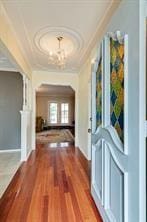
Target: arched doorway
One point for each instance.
(55, 114)
(54, 80)
(12, 105)
(11, 102)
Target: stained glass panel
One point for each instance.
(117, 86)
(99, 93)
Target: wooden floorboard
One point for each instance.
(52, 186)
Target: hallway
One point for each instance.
(51, 186)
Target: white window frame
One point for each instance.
(48, 110)
(64, 110)
(59, 103)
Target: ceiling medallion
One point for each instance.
(59, 44)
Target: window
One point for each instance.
(53, 111)
(58, 113)
(64, 112)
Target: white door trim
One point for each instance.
(142, 110)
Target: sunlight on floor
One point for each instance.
(9, 163)
(55, 145)
(64, 144)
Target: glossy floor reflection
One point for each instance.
(52, 186)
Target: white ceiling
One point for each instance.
(76, 19)
(51, 90)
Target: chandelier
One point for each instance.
(58, 57)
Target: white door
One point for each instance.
(109, 185)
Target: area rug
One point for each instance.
(54, 136)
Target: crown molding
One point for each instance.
(100, 31)
(84, 53)
(5, 69)
(3, 12)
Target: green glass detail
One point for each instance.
(117, 86)
(99, 93)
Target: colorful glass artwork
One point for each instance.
(117, 86)
(99, 93)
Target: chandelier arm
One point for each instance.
(60, 59)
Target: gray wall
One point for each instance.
(11, 94)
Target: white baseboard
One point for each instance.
(10, 151)
(26, 157)
(29, 154)
(83, 152)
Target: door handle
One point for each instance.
(89, 130)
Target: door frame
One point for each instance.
(25, 78)
(89, 118)
(34, 110)
(142, 109)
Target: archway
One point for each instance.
(55, 115)
(11, 102)
(53, 83)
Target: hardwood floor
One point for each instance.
(52, 186)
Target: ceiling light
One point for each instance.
(58, 56)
